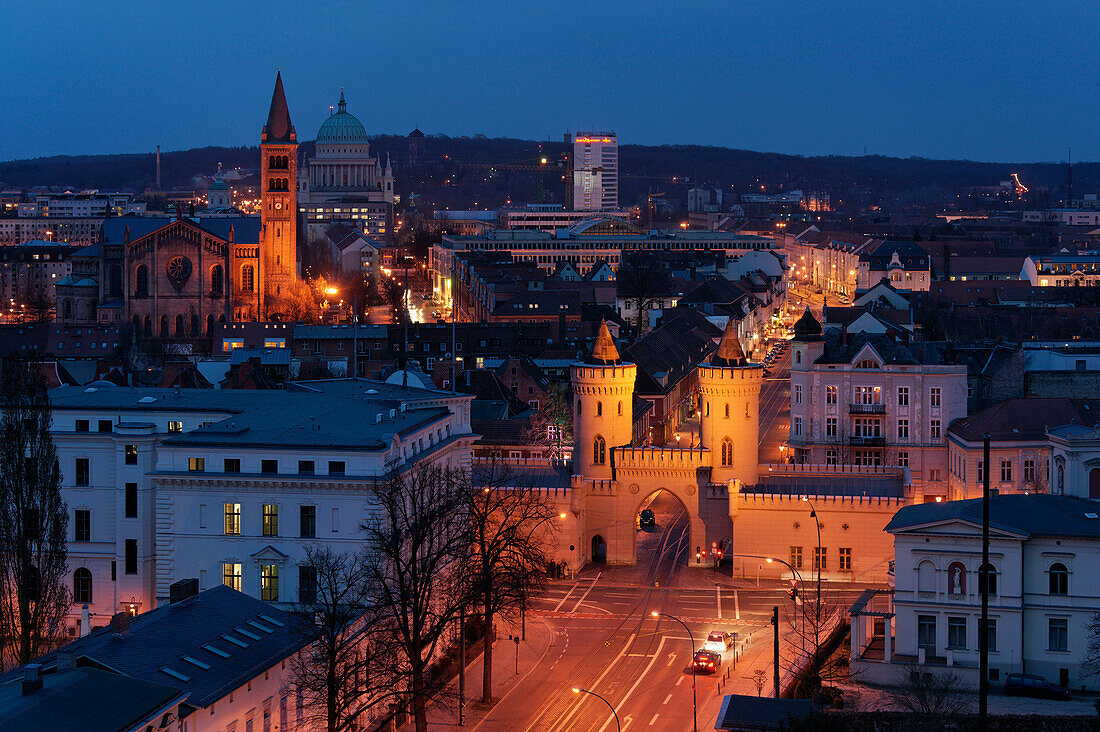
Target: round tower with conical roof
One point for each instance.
(807, 345)
(729, 389)
(603, 392)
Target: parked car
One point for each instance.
(1029, 685)
(707, 661)
(646, 518)
(719, 641)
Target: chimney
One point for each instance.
(844, 335)
(66, 661)
(32, 678)
(120, 623)
(185, 588)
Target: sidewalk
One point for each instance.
(758, 656)
(444, 715)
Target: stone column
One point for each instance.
(888, 633)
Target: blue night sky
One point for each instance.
(981, 80)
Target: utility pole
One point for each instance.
(983, 580)
(775, 649)
(461, 662)
(405, 320)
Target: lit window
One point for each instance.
(231, 576)
(233, 518)
(269, 582)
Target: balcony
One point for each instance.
(866, 441)
(867, 409)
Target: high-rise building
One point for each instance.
(595, 171)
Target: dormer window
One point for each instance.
(868, 363)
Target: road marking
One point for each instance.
(567, 594)
(718, 594)
(642, 655)
(671, 658)
(630, 691)
(666, 699)
(594, 607)
(654, 719)
(585, 595)
(679, 680)
(562, 722)
(736, 607)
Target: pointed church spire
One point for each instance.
(342, 105)
(278, 127)
(729, 351)
(603, 350)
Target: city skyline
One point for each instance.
(985, 84)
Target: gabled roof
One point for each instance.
(666, 354)
(1038, 514)
(278, 127)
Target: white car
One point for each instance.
(718, 641)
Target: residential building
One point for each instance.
(873, 399)
(1019, 454)
(548, 217)
(223, 485)
(29, 271)
(1062, 270)
(82, 205)
(74, 231)
(1042, 591)
(595, 171)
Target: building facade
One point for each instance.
(229, 486)
(869, 399)
(595, 171)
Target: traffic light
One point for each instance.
(698, 555)
(793, 594)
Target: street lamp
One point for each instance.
(579, 690)
(694, 703)
(817, 565)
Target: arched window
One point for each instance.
(67, 310)
(147, 327)
(194, 326)
(141, 281)
(798, 356)
(164, 326)
(217, 279)
(599, 451)
(82, 586)
(727, 452)
(248, 278)
(1061, 478)
(209, 324)
(926, 577)
(180, 327)
(1059, 579)
(137, 325)
(271, 162)
(727, 410)
(992, 579)
(620, 409)
(270, 184)
(579, 402)
(599, 409)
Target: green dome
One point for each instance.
(219, 185)
(342, 127)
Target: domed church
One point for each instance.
(343, 182)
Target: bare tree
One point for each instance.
(513, 530)
(34, 599)
(818, 619)
(932, 695)
(643, 281)
(343, 672)
(1091, 663)
(416, 542)
(552, 426)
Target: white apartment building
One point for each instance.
(85, 204)
(229, 486)
(595, 171)
(1062, 270)
(60, 230)
(873, 399)
(1044, 590)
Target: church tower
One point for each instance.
(279, 212)
(729, 388)
(603, 394)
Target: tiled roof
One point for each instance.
(1038, 514)
(667, 353)
(1025, 418)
